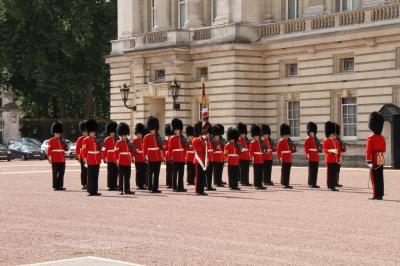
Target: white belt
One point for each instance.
(259, 153)
(93, 152)
(139, 152)
(178, 149)
(218, 152)
(233, 155)
(312, 149)
(58, 150)
(153, 149)
(286, 152)
(125, 153)
(190, 152)
(244, 149)
(111, 151)
(210, 150)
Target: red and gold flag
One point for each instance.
(204, 103)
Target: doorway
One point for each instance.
(157, 109)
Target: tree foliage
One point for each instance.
(52, 55)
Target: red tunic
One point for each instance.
(375, 150)
(139, 157)
(152, 149)
(189, 153)
(268, 156)
(210, 150)
(91, 151)
(56, 150)
(218, 155)
(284, 151)
(108, 150)
(311, 150)
(167, 155)
(231, 154)
(123, 153)
(200, 149)
(78, 149)
(176, 149)
(245, 153)
(332, 150)
(256, 152)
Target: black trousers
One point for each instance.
(209, 174)
(244, 171)
(153, 176)
(177, 175)
(112, 175)
(285, 174)
(218, 170)
(337, 175)
(267, 171)
(169, 173)
(93, 179)
(258, 174)
(83, 173)
(332, 171)
(377, 181)
(312, 173)
(233, 176)
(124, 173)
(141, 174)
(58, 170)
(200, 179)
(191, 173)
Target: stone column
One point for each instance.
(162, 15)
(137, 17)
(268, 11)
(125, 10)
(223, 16)
(194, 11)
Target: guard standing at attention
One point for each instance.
(140, 164)
(244, 156)
(177, 152)
(124, 151)
(190, 167)
(168, 161)
(332, 155)
(218, 156)
(256, 154)
(56, 155)
(210, 153)
(342, 148)
(285, 150)
(201, 156)
(312, 148)
(78, 154)
(268, 148)
(231, 153)
(109, 156)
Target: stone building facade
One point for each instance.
(263, 61)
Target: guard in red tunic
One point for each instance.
(375, 154)
(82, 128)
(56, 155)
(92, 157)
(168, 161)
(342, 149)
(201, 156)
(231, 153)
(332, 155)
(268, 147)
(140, 164)
(177, 152)
(190, 167)
(312, 148)
(218, 155)
(244, 156)
(285, 150)
(210, 153)
(109, 158)
(256, 154)
(152, 151)
(124, 151)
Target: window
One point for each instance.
(203, 72)
(291, 70)
(213, 10)
(182, 13)
(293, 115)
(159, 75)
(349, 117)
(292, 9)
(153, 9)
(344, 5)
(347, 64)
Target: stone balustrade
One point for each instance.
(202, 34)
(385, 12)
(323, 22)
(351, 17)
(293, 26)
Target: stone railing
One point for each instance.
(323, 22)
(155, 37)
(351, 17)
(202, 34)
(385, 12)
(293, 26)
(270, 30)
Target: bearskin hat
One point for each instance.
(330, 128)
(265, 129)
(123, 129)
(232, 134)
(312, 127)
(242, 128)
(57, 127)
(140, 129)
(189, 131)
(221, 129)
(153, 123)
(176, 124)
(168, 130)
(255, 130)
(284, 130)
(198, 127)
(375, 123)
(92, 125)
(111, 127)
(216, 131)
(82, 125)
(337, 129)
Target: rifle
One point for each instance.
(292, 145)
(160, 140)
(132, 146)
(239, 146)
(318, 144)
(343, 144)
(66, 143)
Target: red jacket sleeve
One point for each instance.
(279, 150)
(369, 149)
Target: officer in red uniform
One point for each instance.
(190, 167)
(201, 156)
(285, 150)
(210, 153)
(256, 154)
(332, 155)
(140, 164)
(268, 148)
(56, 155)
(124, 151)
(92, 157)
(244, 156)
(218, 155)
(168, 161)
(231, 153)
(375, 154)
(152, 151)
(312, 148)
(79, 157)
(342, 148)
(177, 152)
(109, 158)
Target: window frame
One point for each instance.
(296, 9)
(290, 119)
(287, 72)
(199, 74)
(213, 10)
(180, 4)
(343, 65)
(348, 115)
(350, 3)
(156, 78)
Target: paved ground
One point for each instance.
(273, 227)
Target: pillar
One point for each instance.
(223, 16)
(194, 11)
(137, 17)
(162, 15)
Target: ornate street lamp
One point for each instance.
(124, 89)
(173, 91)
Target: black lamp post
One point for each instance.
(124, 95)
(173, 89)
